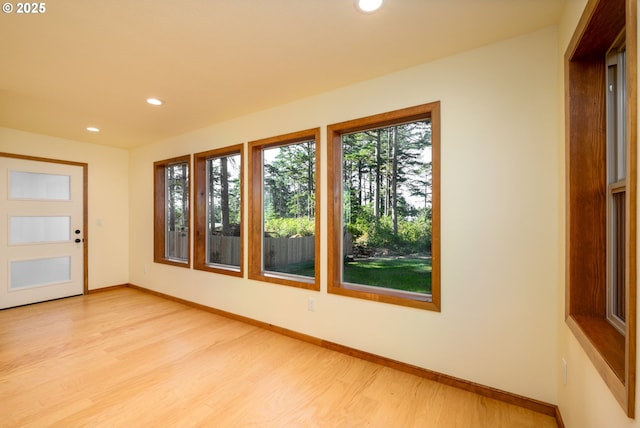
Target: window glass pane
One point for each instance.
(387, 207)
(616, 115)
(223, 210)
(30, 185)
(25, 230)
(30, 273)
(622, 115)
(288, 239)
(177, 214)
(612, 118)
(616, 165)
(617, 288)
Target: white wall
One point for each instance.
(108, 200)
(500, 222)
(585, 401)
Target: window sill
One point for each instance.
(173, 262)
(419, 301)
(420, 297)
(219, 268)
(307, 283)
(605, 347)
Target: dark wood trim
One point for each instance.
(485, 391)
(109, 288)
(254, 204)
(586, 192)
(381, 120)
(607, 341)
(436, 131)
(334, 207)
(85, 225)
(597, 29)
(41, 159)
(255, 209)
(159, 215)
(592, 344)
(85, 205)
(558, 416)
(613, 354)
(631, 34)
(200, 209)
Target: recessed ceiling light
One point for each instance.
(93, 129)
(155, 101)
(368, 6)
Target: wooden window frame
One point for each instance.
(200, 211)
(612, 353)
(334, 180)
(159, 215)
(256, 208)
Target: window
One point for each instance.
(615, 89)
(218, 211)
(601, 168)
(384, 207)
(171, 213)
(283, 210)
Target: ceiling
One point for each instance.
(93, 63)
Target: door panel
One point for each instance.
(39, 272)
(41, 231)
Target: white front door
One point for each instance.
(41, 231)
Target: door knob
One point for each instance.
(78, 240)
(77, 231)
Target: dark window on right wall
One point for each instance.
(601, 179)
(615, 88)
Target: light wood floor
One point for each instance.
(125, 358)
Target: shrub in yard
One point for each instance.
(288, 227)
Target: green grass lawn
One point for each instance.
(408, 274)
(303, 269)
(398, 273)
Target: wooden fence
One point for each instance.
(226, 249)
(347, 244)
(285, 251)
(177, 245)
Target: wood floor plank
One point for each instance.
(124, 358)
